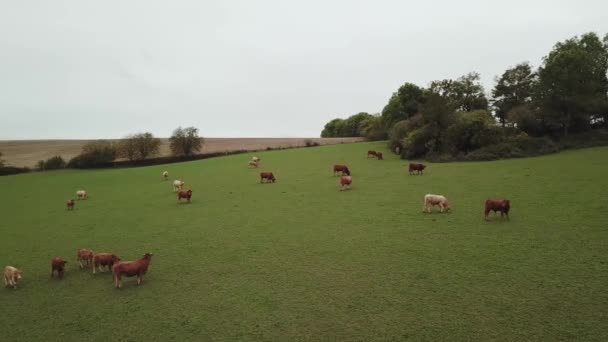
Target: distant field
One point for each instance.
(299, 260)
(28, 152)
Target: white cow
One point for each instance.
(255, 159)
(431, 200)
(178, 185)
(166, 175)
(81, 194)
(11, 276)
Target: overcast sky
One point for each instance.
(104, 69)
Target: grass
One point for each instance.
(300, 260)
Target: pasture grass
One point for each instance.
(300, 260)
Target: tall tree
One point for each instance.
(407, 101)
(513, 89)
(332, 128)
(185, 141)
(146, 145)
(465, 94)
(573, 83)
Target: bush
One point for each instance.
(185, 141)
(94, 154)
(310, 143)
(588, 139)
(493, 152)
(12, 170)
(53, 163)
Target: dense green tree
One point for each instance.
(464, 94)
(513, 88)
(373, 128)
(573, 83)
(332, 128)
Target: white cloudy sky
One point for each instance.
(267, 68)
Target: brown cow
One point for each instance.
(495, 205)
(104, 259)
(11, 276)
(345, 181)
(58, 264)
(137, 268)
(268, 176)
(70, 204)
(372, 153)
(341, 168)
(184, 194)
(85, 255)
(379, 155)
(417, 167)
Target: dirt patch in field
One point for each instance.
(28, 152)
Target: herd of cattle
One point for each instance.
(139, 267)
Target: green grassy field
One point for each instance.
(300, 260)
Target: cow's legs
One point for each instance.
(139, 279)
(5, 281)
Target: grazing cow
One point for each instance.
(253, 163)
(184, 194)
(416, 168)
(341, 168)
(58, 264)
(379, 155)
(81, 194)
(104, 259)
(70, 204)
(431, 200)
(255, 159)
(178, 185)
(11, 276)
(137, 268)
(371, 153)
(268, 176)
(85, 255)
(495, 205)
(165, 175)
(345, 181)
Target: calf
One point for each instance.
(184, 194)
(137, 268)
(11, 276)
(371, 153)
(341, 168)
(268, 176)
(431, 200)
(495, 205)
(178, 185)
(85, 255)
(58, 265)
(70, 204)
(165, 175)
(81, 194)
(104, 259)
(345, 181)
(253, 163)
(379, 155)
(416, 168)
(255, 159)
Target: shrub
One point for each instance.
(94, 154)
(12, 170)
(185, 141)
(52, 163)
(310, 143)
(139, 146)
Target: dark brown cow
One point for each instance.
(268, 176)
(137, 268)
(184, 194)
(70, 204)
(418, 168)
(58, 265)
(341, 168)
(85, 255)
(104, 259)
(495, 205)
(345, 181)
(371, 153)
(379, 155)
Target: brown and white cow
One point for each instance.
(379, 155)
(85, 255)
(371, 153)
(104, 260)
(268, 176)
(178, 185)
(431, 200)
(186, 194)
(137, 268)
(70, 204)
(253, 163)
(11, 276)
(81, 195)
(345, 182)
(418, 168)
(502, 205)
(58, 265)
(341, 168)
(165, 175)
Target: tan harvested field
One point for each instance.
(28, 152)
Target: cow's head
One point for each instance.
(18, 274)
(507, 204)
(347, 171)
(115, 258)
(148, 255)
(272, 178)
(189, 192)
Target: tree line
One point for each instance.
(528, 112)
